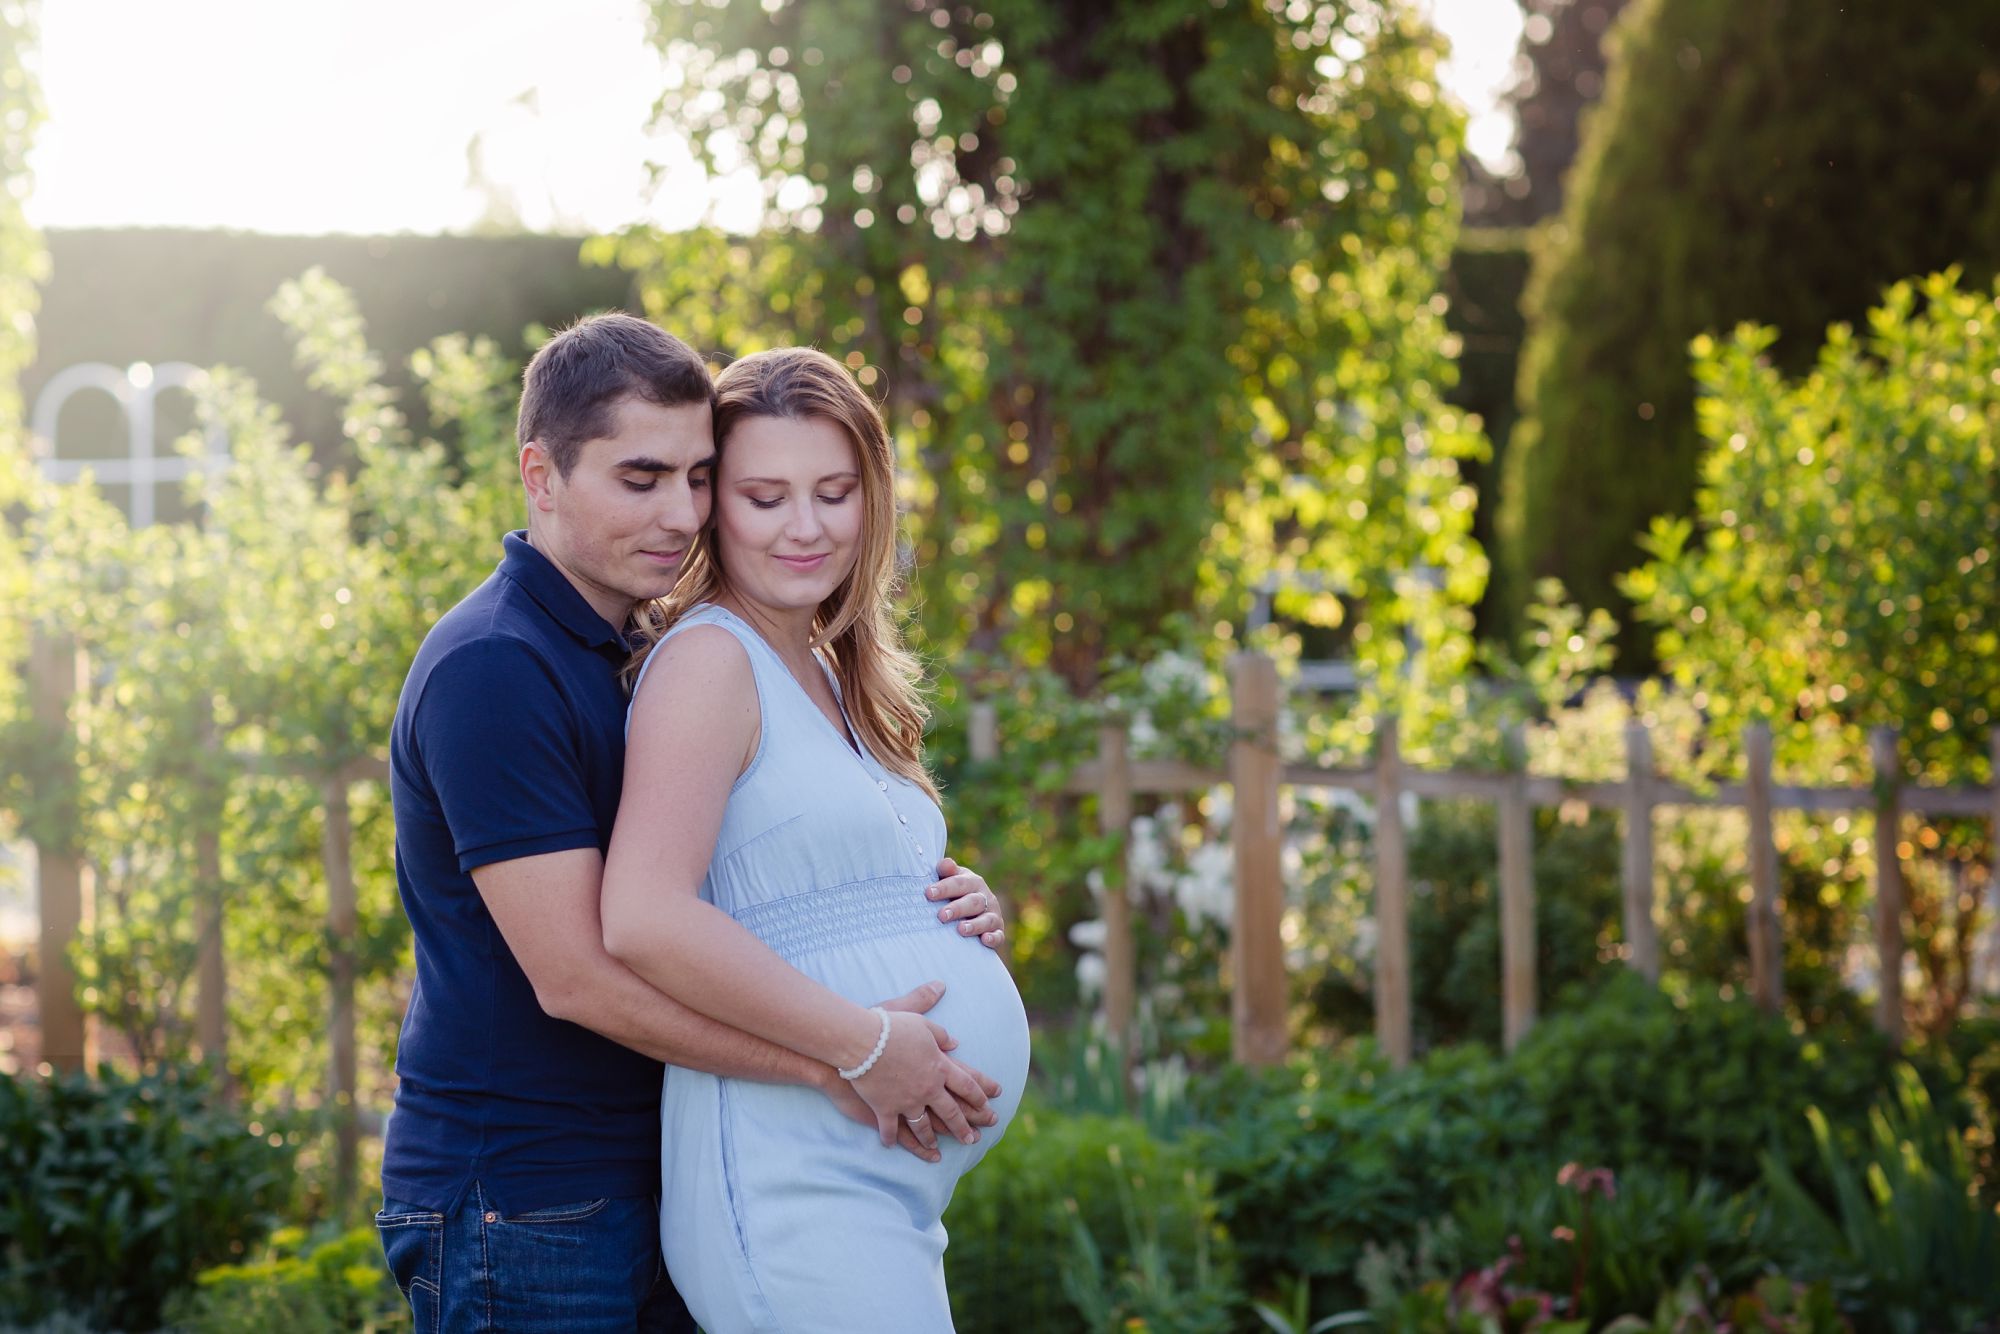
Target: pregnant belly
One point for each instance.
(875, 940)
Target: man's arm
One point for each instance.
(547, 910)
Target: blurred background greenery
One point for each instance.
(1198, 328)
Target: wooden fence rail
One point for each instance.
(1256, 773)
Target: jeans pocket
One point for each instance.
(559, 1213)
(413, 1244)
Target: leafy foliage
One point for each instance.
(1070, 1216)
(338, 1286)
(1909, 1241)
(23, 263)
(1724, 179)
(1837, 572)
(240, 668)
(1151, 280)
(114, 1190)
(1316, 1164)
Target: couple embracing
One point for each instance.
(662, 811)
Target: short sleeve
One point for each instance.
(499, 744)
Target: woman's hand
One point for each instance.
(914, 1079)
(917, 1000)
(969, 901)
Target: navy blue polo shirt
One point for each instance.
(509, 742)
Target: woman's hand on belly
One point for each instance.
(970, 902)
(914, 1078)
(854, 1107)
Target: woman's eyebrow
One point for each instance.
(781, 481)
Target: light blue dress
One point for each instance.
(777, 1212)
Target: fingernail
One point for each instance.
(944, 914)
(965, 928)
(933, 892)
(972, 1137)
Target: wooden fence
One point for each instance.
(63, 886)
(1256, 773)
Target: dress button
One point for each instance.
(904, 818)
(884, 786)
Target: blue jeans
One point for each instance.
(585, 1267)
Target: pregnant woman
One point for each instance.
(776, 831)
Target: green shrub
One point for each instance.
(340, 1286)
(1455, 937)
(1616, 1251)
(1315, 1164)
(115, 1189)
(1725, 178)
(1700, 1086)
(1906, 1240)
(1149, 1237)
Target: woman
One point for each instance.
(776, 831)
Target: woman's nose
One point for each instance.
(802, 520)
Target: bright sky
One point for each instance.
(357, 116)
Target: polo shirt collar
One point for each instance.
(550, 587)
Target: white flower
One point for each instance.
(1090, 974)
(1088, 935)
(1142, 733)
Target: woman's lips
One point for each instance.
(803, 563)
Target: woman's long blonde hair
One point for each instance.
(855, 627)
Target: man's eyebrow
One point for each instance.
(646, 463)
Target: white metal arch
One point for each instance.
(135, 389)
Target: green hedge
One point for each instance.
(115, 1190)
(1317, 1163)
(1778, 162)
(121, 295)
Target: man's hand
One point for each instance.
(970, 903)
(854, 1108)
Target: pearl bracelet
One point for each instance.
(880, 1042)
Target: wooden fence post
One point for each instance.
(1114, 819)
(211, 1023)
(1767, 968)
(1517, 896)
(1888, 880)
(62, 881)
(983, 732)
(1258, 1009)
(1392, 897)
(337, 856)
(1642, 936)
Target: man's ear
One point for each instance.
(538, 476)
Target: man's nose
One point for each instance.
(680, 511)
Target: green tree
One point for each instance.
(1775, 162)
(241, 665)
(1837, 573)
(1150, 289)
(22, 265)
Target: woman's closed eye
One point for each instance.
(775, 501)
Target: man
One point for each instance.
(522, 1162)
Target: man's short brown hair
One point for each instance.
(577, 380)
